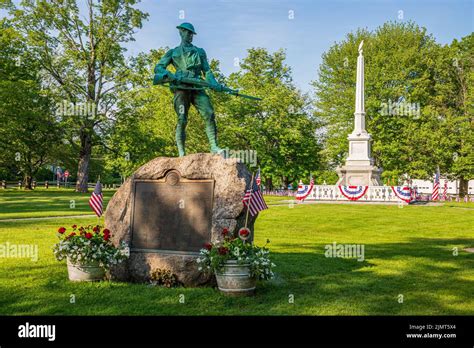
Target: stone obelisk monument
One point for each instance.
(359, 168)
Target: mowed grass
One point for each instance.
(15, 203)
(410, 254)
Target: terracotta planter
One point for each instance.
(85, 272)
(235, 279)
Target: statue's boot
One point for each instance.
(211, 132)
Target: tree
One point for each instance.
(280, 128)
(84, 60)
(29, 132)
(404, 88)
(460, 100)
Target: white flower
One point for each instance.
(125, 251)
(236, 251)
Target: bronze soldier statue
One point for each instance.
(188, 86)
(190, 62)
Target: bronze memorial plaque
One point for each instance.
(172, 214)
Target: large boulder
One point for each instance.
(230, 178)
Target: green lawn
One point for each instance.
(270, 200)
(15, 203)
(408, 252)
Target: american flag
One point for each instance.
(435, 194)
(258, 180)
(254, 201)
(445, 190)
(96, 200)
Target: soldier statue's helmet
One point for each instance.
(187, 26)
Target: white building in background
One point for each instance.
(426, 186)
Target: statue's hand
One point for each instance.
(174, 78)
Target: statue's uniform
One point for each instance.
(189, 61)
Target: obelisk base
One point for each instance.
(359, 175)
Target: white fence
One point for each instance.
(373, 194)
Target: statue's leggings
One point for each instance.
(182, 101)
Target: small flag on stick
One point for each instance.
(445, 190)
(435, 194)
(96, 200)
(254, 201)
(258, 180)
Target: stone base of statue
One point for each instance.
(361, 175)
(170, 208)
(359, 169)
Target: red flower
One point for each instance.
(208, 246)
(222, 250)
(244, 233)
(74, 226)
(72, 234)
(88, 235)
(61, 230)
(106, 237)
(225, 231)
(106, 231)
(96, 229)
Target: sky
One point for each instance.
(226, 29)
(304, 28)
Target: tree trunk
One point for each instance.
(463, 187)
(83, 166)
(285, 182)
(27, 180)
(269, 184)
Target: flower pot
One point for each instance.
(235, 280)
(85, 271)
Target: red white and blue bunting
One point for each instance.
(304, 190)
(403, 193)
(353, 193)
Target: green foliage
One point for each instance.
(460, 99)
(214, 256)
(88, 244)
(29, 134)
(82, 58)
(403, 65)
(143, 128)
(280, 128)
